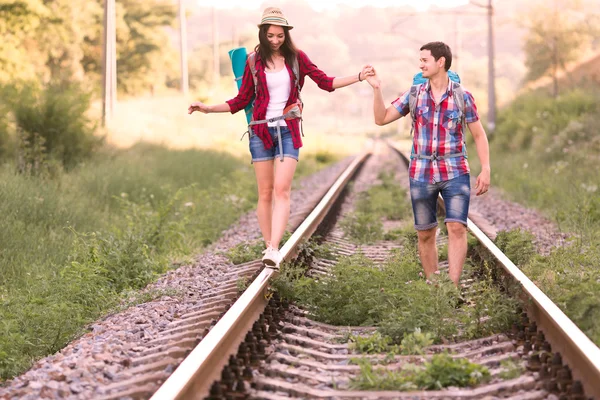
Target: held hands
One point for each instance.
(366, 72)
(373, 78)
(483, 182)
(198, 106)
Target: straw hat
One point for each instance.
(274, 16)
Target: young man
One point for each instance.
(438, 162)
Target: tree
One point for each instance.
(62, 35)
(143, 48)
(18, 23)
(557, 36)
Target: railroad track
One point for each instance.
(264, 347)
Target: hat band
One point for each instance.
(274, 21)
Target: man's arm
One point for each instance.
(383, 116)
(483, 151)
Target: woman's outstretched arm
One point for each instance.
(234, 105)
(349, 80)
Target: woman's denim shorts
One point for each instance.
(456, 194)
(259, 153)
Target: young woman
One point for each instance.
(275, 64)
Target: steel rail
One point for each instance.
(576, 349)
(202, 367)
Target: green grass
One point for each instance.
(545, 154)
(74, 246)
(386, 200)
(399, 301)
(442, 371)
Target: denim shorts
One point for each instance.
(455, 192)
(259, 153)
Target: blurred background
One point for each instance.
(61, 42)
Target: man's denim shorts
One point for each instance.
(456, 194)
(259, 153)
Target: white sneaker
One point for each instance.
(272, 258)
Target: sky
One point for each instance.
(322, 5)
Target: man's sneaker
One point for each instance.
(272, 258)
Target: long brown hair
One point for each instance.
(287, 49)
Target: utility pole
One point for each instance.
(109, 62)
(215, 35)
(491, 70)
(183, 49)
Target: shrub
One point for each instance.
(58, 113)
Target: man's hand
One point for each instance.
(366, 72)
(483, 181)
(373, 79)
(198, 106)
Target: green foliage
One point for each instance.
(142, 42)
(556, 38)
(517, 245)
(291, 283)
(58, 114)
(532, 121)
(442, 371)
(492, 310)
(133, 256)
(392, 296)
(31, 155)
(136, 211)
(313, 162)
(362, 227)
(416, 342)
(376, 343)
(421, 305)
(61, 40)
(245, 252)
(381, 379)
(443, 253)
(510, 369)
(570, 277)
(5, 124)
(18, 22)
(556, 172)
(242, 283)
(396, 298)
(387, 200)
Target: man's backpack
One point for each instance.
(458, 95)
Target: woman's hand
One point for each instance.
(366, 72)
(198, 106)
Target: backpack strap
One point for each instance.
(252, 64)
(412, 104)
(459, 98)
(296, 71)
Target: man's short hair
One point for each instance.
(439, 49)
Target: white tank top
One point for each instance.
(279, 86)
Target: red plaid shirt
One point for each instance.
(246, 92)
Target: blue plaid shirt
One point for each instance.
(438, 130)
